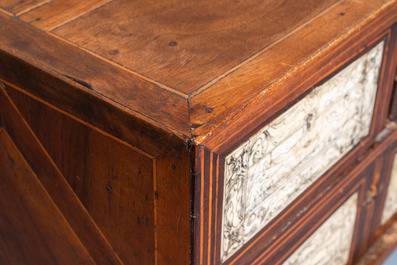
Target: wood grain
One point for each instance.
(393, 105)
(173, 193)
(384, 174)
(289, 154)
(272, 244)
(18, 7)
(82, 154)
(47, 61)
(55, 184)
(356, 166)
(127, 112)
(251, 83)
(229, 115)
(187, 43)
(58, 12)
(382, 248)
(263, 75)
(367, 210)
(113, 181)
(32, 229)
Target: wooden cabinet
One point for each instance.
(393, 107)
(185, 132)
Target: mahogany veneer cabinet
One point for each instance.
(198, 132)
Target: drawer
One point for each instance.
(276, 165)
(257, 186)
(304, 236)
(389, 208)
(329, 240)
(340, 227)
(386, 206)
(382, 213)
(349, 206)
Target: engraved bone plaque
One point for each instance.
(390, 207)
(272, 168)
(330, 243)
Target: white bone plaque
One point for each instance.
(272, 168)
(390, 207)
(330, 243)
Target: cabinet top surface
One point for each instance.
(186, 65)
(184, 45)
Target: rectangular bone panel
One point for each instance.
(390, 207)
(330, 243)
(271, 169)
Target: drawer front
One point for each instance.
(272, 168)
(390, 206)
(331, 242)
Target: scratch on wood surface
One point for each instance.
(179, 221)
(81, 82)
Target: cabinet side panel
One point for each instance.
(173, 206)
(113, 180)
(28, 236)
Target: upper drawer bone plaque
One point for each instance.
(273, 167)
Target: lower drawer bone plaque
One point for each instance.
(390, 207)
(272, 168)
(330, 243)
